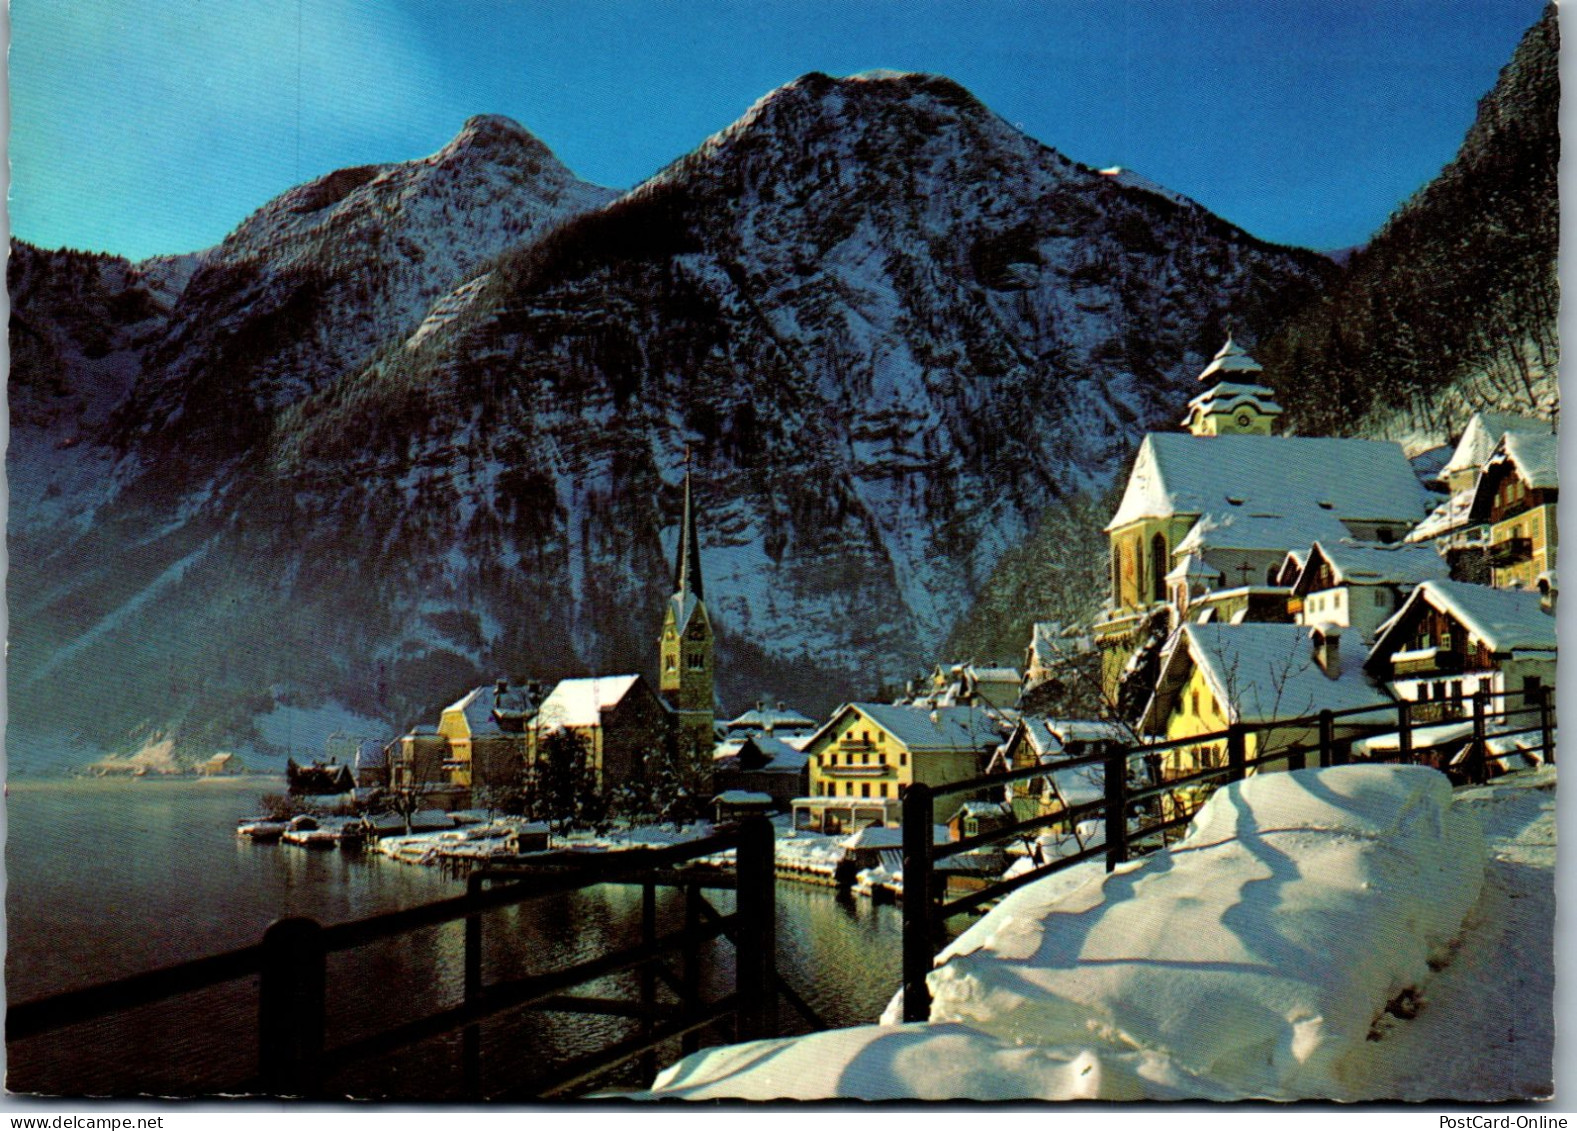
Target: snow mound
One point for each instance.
(1252, 959)
(1259, 952)
(921, 1062)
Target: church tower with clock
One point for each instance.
(1236, 405)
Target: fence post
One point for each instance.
(1329, 755)
(692, 966)
(471, 1039)
(755, 956)
(1478, 765)
(648, 979)
(1404, 730)
(290, 1007)
(918, 945)
(1546, 726)
(1237, 752)
(1116, 786)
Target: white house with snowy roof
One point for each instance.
(1360, 585)
(1451, 638)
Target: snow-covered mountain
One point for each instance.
(893, 327)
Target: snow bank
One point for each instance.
(1252, 959)
(921, 1062)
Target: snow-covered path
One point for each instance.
(1487, 1027)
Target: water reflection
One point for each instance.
(109, 878)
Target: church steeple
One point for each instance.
(687, 561)
(1236, 404)
(685, 650)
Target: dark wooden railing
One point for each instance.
(1159, 803)
(292, 969)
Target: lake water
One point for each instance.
(112, 877)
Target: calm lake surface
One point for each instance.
(113, 877)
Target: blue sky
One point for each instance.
(141, 128)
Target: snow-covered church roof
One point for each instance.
(580, 702)
(1231, 358)
(1228, 396)
(1273, 476)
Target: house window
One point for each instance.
(1379, 599)
(1158, 567)
(697, 661)
(883, 788)
(865, 759)
(668, 663)
(865, 789)
(903, 757)
(1196, 703)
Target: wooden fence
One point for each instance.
(1156, 801)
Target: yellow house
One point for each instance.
(1517, 496)
(485, 735)
(863, 761)
(1260, 675)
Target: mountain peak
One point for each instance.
(491, 135)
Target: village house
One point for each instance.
(965, 685)
(864, 759)
(1451, 638)
(764, 718)
(1360, 585)
(1209, 517)
(1040, 741)
(1260, 675)
(1450, 527)
(486, 734)
(1516, 498)
(766, 764)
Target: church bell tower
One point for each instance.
(685, 650)
(1236, 405)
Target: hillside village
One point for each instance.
(1256, 579)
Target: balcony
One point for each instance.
(1510, 552)
(1436, 711)
(879, 770)
(1425, 661)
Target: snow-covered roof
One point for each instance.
(979, 809)
(1231, 358)
(1051, 642)
(742, 797)
(783, 758)
(1429, 463)
(1048, 737)
(1259, 673)
(1285, 476)
(1535, 459)
(1370, 563)
(1243, 531)
(874, 836)
(923, 729)
(580, 702)
(763, 716)
(1453, 514)
(1192, 567)
(1504, 620)
(1483, 432)
(478, 704)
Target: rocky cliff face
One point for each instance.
(892, 327)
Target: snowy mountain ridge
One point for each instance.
(863, 305)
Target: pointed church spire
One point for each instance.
(687, 560)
